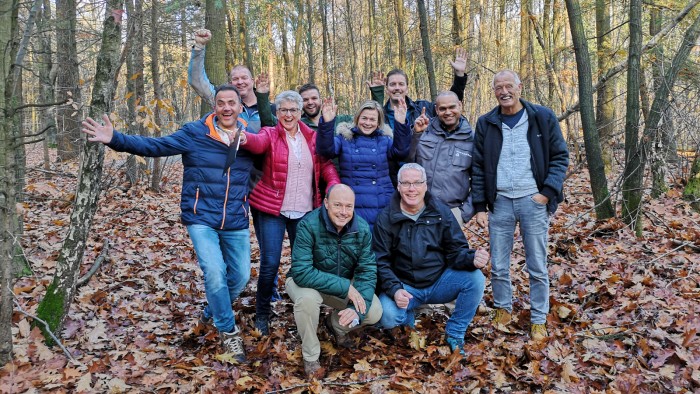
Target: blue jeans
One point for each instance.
(224, 257)
(534, 224)
(466, 287)
(270, 237)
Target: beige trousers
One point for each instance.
(307, 309)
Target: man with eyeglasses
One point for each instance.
(423, 258)
(520, 162)
(332, 264)
(443, 145)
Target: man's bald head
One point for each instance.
(340, 205)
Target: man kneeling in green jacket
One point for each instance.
(332, 264)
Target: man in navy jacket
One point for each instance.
(214, 201)
(520, 161)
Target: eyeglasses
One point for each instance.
(288, 111)
(407, 185)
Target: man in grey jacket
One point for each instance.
(443, 146)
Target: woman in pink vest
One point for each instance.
(287, 191)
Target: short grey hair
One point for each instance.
(412, 166)
(290, 96)
(447, 93)
(515, 76)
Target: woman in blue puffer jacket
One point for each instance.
(364, 150)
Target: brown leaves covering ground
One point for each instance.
(624, 311)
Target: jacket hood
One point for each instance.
(348, 131)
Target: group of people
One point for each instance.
(371, 242)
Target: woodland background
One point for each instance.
(91, 240)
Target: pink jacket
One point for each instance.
(268, 194)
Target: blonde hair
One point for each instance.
(370, 104)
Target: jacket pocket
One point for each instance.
(461, 158)
(426, 149)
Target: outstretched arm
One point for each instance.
(459, 66)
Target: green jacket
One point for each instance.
(329, 262)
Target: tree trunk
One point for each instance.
(633, 174)
(134, 84)
(8, 182)
(605, 107)
(309, 42)
(215, 56)
(271, 55)
(596, 169)
(59, 294)
(243, 34)
(456, 25)
(68, 116)
(427, 53)
(324, 21)
(157, 91)
(525, 53)
(399, 10)
(353, 59)
(47, 76)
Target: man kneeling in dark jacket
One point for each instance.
(332, 264)
(424, 258)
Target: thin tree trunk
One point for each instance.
(69, 115)
(596, 169)
(525, 54)
(55, 305)
(605, 108)
(135, 84)
(243, 35)
(8, 181)
(427, 53)
(215, 56)
(399, 9)
(326, 68)
(353, 59)
(157, 90)
(633, 174)
(309, 42)
(271, 56)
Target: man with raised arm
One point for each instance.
(214, 200)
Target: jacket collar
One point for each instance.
(351, 227)
(305, 130)
(494, 116)
(462, 128)
(210, 121)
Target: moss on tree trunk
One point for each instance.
(692, 189)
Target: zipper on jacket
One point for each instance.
(337, 262)
(228, 182)
(196, 200)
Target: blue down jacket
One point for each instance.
(364, 161)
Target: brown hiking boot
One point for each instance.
(340, 338)
(500, 320)
(538, 332)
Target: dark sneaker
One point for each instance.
(233, 344)
(455, 344)
(314, 370)
(263, 325)
(340, 338)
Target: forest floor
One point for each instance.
(625, 311)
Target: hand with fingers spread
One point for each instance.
(421, 122)
(459, 66)
(97, 132)
(356, 298)
(262, 83)
(328, 110)
(377, 79)
(481, 258)
(201, 38)
(401, 110)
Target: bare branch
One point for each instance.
(95, 266)
(41, 105)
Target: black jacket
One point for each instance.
(549, 156)
(417, 253)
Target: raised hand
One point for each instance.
(376, 79)
(97, 132)
(201, 37)
(262, 83)
(400, 111)
(460, 63)
(421, 122)
(328, 110)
